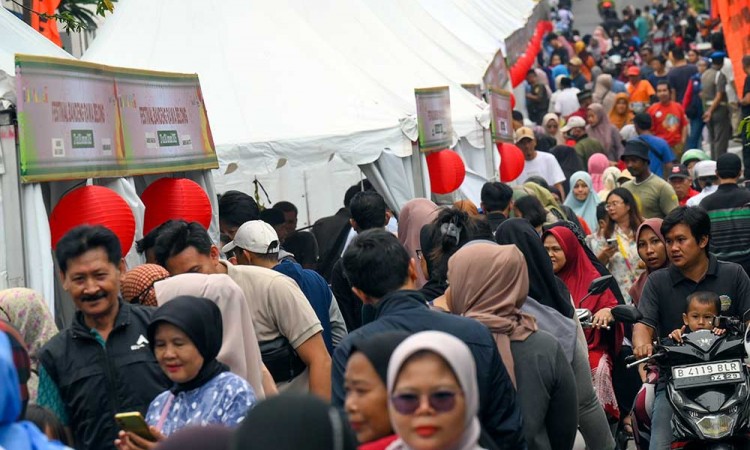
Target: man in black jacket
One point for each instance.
(382, 274)
(101, 365)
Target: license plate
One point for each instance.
(719, 372)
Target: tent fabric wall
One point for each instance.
(40, 273)
(17, 37)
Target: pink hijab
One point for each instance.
(414, 215)
(598, 163)
(494, 300)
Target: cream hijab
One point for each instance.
(458, 356)
(414, 215)
(494, 300)
(239, 349)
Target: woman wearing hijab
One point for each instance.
(239, 349)
(621, 114)
(546, 198)
(365, 379)
(414, 215)
(543, 376)
(294, 422)
(27, 311)
(137, 285)
(583, 199)
(572, 265)
(603, 92)
(610, 178)
(652, 249)
(439, 367)
(597, 164)
(185, 336)
(600, 128)
(569, 162)
(551, 126)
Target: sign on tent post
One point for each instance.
(434, 118)
(502, 115)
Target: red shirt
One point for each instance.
(691, 193)
(668, 122)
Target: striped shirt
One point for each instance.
(729, 210)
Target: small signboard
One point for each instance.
(434, 118)
(502, 115)
(81, 120)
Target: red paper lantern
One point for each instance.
(447, 171)
(93, 205)
(175, 198)
(511, 162)
(512, 101)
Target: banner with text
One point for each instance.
(496, 75)
(80, 120)
(434, 118)
(502, 115)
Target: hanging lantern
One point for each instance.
(447, 171)
(93, 205)
(512, 162)
(512, 101)
(175, 198)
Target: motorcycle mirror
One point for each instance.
(626, 314)
(599, 285)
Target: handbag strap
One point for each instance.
(165, 411)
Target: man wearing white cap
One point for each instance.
(705, 173)
(575, 128)
(538, 164)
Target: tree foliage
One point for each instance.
(76, 15)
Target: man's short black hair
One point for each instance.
(532, 210)
(178, 236)
(355, 189)
(376, 263)
(368, 210)
(81, 239)
(517, 115)
(704, 298)
(272, 216)
(236, 208)
(678, 53)
(496, 196)
(695, 217)
(149, 240)
(662, 83)
(601, 211)
(304, 247)
(285, 207)
(565, 82)
(643, 121)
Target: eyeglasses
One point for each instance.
(419, 254)
(138, 299)
(440, 401)
(614, 204)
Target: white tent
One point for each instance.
(326, 85)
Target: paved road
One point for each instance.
(587, 16)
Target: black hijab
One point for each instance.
(293, 422)
(569, 162)
(543, 284)
(200, 319)
(601, 268)
(378, 349)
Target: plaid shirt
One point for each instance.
(20, 358)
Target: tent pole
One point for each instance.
(416, 170)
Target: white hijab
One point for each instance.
(239, 350)
(459, 358)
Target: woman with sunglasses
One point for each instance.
(365, 379)
(433, 394)
(535, 360)
(185, 337)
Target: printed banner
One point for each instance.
(475, 89)
(80, 120)
(434, 118)
(502, 115)
(496, 75)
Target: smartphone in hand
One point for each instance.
(135, 423)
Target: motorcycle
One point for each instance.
(707, 384)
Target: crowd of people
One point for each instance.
(429, 326)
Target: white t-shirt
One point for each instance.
(545, 165)
(696, 200)
(566, 101)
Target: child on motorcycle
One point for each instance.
(702, 307)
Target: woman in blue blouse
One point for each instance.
(185, 336)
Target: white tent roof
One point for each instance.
(17, 37)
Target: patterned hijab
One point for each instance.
(137, 285)
(27, 311)
(495, 301)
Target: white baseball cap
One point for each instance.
(705, 169)
(254, 236)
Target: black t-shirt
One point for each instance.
(745, 91)
(679, 78)
(664, 297)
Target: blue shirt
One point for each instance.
(222, 401)
(659, 154)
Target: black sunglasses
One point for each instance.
(440, 401)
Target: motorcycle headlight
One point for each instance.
(715, 426)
